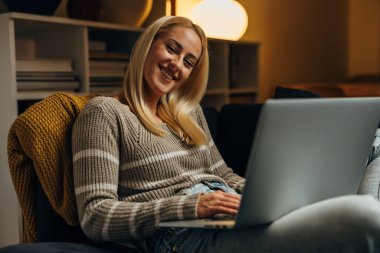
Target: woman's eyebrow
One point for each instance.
(181, 47)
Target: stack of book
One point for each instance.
(46, 74)
(106, 76)
(106, 69)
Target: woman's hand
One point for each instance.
(217, 202)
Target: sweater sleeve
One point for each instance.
(221, 169)
(103, 215)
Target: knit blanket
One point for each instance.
(39, 148)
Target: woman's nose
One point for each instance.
(174, 66)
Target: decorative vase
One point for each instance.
(42, 7)
(127, 12)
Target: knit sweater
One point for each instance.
(127, 179)
(39, 149)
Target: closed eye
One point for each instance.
(189, 63)
(171, 49)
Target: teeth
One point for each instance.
(167, 75)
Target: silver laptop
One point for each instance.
(304, 151)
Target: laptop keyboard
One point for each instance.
(223, 217)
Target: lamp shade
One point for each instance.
(222, 19)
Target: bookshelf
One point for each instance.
(44, 38)
(233, 65)
(85, 44)
(233, 73)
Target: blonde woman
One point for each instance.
(147, 156)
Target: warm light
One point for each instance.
(222, 19)
(168, 8)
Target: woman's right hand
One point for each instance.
(218, 202)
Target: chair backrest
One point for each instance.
(40, 161)
(326, 89)
(236, 129)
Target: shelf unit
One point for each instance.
(233, 72)
(43, 37)
(233, 65)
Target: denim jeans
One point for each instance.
(343, 224)
(171, 239)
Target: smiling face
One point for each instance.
(170, 60)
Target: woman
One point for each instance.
(146, 156)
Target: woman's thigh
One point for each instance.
(344, 224)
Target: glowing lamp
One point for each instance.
(222, 19)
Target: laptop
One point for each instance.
(304, 151)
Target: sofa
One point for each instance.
(232, 128)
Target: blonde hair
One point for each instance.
(175, 107)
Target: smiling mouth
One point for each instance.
(167, 75)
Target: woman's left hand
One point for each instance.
(218, 202)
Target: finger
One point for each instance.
(220, 193)
(223, 203)
(232, 195)
(224, 210)
(219, 198)
(225, 197)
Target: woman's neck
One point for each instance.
(152, 105)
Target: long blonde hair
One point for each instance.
(175, 107)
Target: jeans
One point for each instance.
(343, 224)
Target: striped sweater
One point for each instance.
(127, 179)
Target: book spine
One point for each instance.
(43, 65)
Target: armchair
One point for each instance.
(39, 155)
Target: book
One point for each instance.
(43, 65)
(106, 72)
(47, 85)
(106, 84)
(116, 56)
(106, 79)
(46, 78)
(109, 64)
(47, 74)
(97, 45)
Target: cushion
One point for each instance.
(282, 92)
(237, 125)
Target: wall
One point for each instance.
(364, 37)
(301, 40)
(306, 40)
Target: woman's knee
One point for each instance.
(367, 213)
(347, 215)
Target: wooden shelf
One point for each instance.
(211, 92)
(69, 21)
